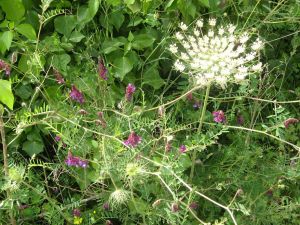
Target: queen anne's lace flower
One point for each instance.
(220, 56)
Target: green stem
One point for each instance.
(201, 120)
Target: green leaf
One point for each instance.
(152, 78)
(113, 45)
(65, 24)
(205, 3)
(26, 30)
(14, 9)
(6, 95)
(142, 41)
(123, 66)
(33, 147)
(24, 91)
(5, 40)
(113, 2)
(76, 36)
(117, 18)
(86, 14)
(61, 61)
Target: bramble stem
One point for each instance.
(201, 120)
(5, 160)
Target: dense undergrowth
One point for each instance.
(132, 112)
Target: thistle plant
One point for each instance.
(215, 55)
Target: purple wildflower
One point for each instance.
(57, 138)
(5, 66)
(196, 105)
(219, 116)
(130, 89)
(175, 207)
(193, 205)
(102, 70)
(59, 77)
(76, 212)
(76, 95)
(75, 161)
(240, 119)
(133, 140)
(182, 149)
(189, 96)
(106, 206)
(290, 121)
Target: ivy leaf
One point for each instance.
(113, 45)
(152, 77)
(14, 9)
(117, 19)
(61, 61)
(123, 66)
(5, 40)
(26, 30)
(6, 95)
(86, 14)
(76, 36)
(65, 24)
(33, 147)
(142, 41)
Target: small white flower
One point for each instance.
(212, 22)
(231, 38)
(250, 56)
(197, 33)
(240, 76)
(210, 33)
(183, 26)
(243, 69)
(244, 38)
(225, 72)
(179, 36)
(186, 45)
(231, 28)
(257, 45)
(170, 138)
(179, 66)
(184, 56)
(173, 48)
(221, 31)
(257, 67)
(199, 23)
(240, 49)
(209, 75)
(221, 80)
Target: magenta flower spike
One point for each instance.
(290, 121)
(102, 70)
(5, 66)
(133, 140)
(219, 116)
(75, 161)
(76, 95)
(76, 212)
(59, 78)
(130, 89)
(182, 149)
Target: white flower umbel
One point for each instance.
(221, 55)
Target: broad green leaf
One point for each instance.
(117, 18)
(76, 36)
(86, 14)
(33, 147)
(22, 64)
(152, 78)
(26, 30)
(113, 2)
(6, 95)
(142, 41)
(123, 66)
(5, 40)
(14, 9)
(113, 45)
(24, 91)
(129, 2)
(61, 61)
(205, 3)
(65, 24)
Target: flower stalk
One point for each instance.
(201, 120)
